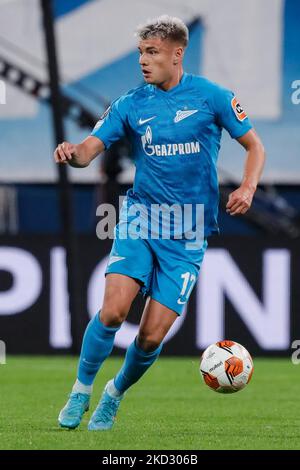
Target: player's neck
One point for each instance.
(174, 80)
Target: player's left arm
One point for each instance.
(240, 200)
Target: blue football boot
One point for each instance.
(71, 415)
(104, 415)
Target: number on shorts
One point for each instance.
(188, 282)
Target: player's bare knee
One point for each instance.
(147, 343)
(112, 315)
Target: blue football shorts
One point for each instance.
(166, 270)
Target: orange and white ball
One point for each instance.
(226, 366)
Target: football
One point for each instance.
(226, 366)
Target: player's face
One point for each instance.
(159, 60)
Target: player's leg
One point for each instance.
(120, 291)
(156, 321)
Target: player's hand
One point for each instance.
(240, 200)
(63, 152)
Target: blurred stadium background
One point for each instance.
(249, 286)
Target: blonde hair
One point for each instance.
(165, 27)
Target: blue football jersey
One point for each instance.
(175, 136)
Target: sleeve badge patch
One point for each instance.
(101, 120)
(238, 110)
(103, 116)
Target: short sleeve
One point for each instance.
(230, 113)
(111, 126)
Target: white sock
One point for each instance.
(112, 390)
(79, 387)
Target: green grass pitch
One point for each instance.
(170, 408)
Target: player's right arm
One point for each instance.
(109, 129)
(79, 155)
